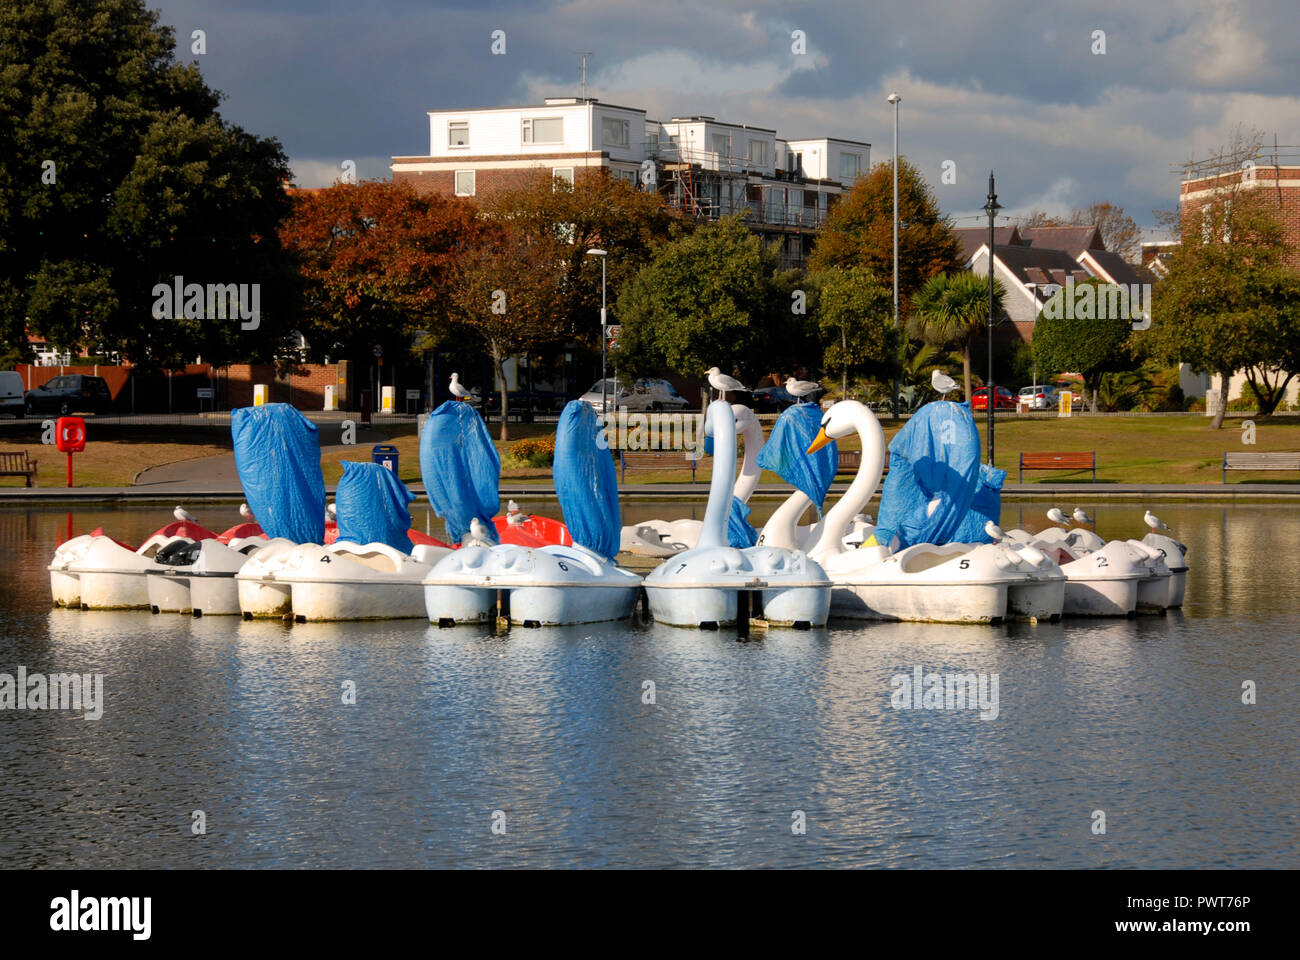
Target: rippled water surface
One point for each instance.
(1141, 719)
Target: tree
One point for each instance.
(1119, 231)
(951, 310)
(594, 210)
(376, 259)
(709, 299)
(859, 231)
(503, 288)
(117, 174)
(854, 315)
(1228, 301)
(1070, 340)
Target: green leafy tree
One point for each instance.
(1229, 301)
(710, 299)
(859, 232)
(1082, 344)
(117, 174)
(854, 315)
(951, 310)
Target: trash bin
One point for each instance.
(384, 454)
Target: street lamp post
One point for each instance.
(895, 99)
(991, 208)
(604, 403)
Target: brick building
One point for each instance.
(704, 168)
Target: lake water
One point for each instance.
(1141, 719)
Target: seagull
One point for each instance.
(331, 513)
(1081, 517)
(994, 531)
(183, 515)
(1154, 522)
(722, 383)
(1056, 516)
(799, 389)
(457, 389)
(246, 513)
(477, 535)
(942, 383)
(513, 516)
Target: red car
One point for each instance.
(1006, 400)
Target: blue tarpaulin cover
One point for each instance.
(460, 467)
(986, 506)
(935, 456)
(740, 533)
(277, 455)
(785, 453)
(586, 483)
(373, 506)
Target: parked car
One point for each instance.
(648, 394)
(69, 394)
(524, 403)
(979, 400)
(11, 393)
(1038, 397)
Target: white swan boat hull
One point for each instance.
(701, 588)
(111, 577)
(65, 585)
(1174, 555)
(206, 584)
(540, 586)
(261, 594)
(348, 581)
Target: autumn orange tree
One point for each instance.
(859, 232)
(503, 289)
(595, 210)
(375, 259)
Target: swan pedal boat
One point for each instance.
(350, 581)
(198, 577)
(701, 587)
(101, 574)
(261, 592)
(1116, 578)
(542, 586)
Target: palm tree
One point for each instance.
(950, 309)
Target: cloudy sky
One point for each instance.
(1008, 84)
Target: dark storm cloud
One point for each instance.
(1007, 83)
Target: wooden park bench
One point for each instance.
(16, 463)
(660, 460)
(1079, 460)
(1260, 461)
(851, 460)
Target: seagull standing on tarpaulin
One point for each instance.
(457, 388)
(801, 389)
(942, 383)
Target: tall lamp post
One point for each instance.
(604, 404)
(895, 99)
(991, 208)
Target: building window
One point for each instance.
(850, 165)
(563, 173)
(613, 132)
(796, 164)
(652, 144)
(464, 183)
(722, 145)
(758, 153)
(544, 130)
(458, 133)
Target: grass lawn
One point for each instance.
(116, 454)
(1176, 449)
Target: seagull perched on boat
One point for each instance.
(722, 383)
(1081, 517)
(942, 383)
(246, 513)
(183, 515)
(1154, 522)
(331, 513)
(457, 388)
(513, 516)
(477, 536)
(799, 389)
(1057, 517)
(994, 531)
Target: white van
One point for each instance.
(11, 392)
